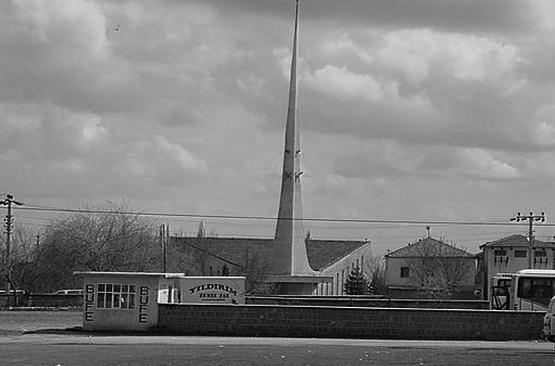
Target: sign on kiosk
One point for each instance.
(213, 290)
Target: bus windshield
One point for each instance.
(536, 289)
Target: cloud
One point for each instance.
(421, 86)
(390, 159)
(404, 106)
(48, 132)
(481, 164)
(342, 83)
(465, 15)
(466, 58)
(59, 53)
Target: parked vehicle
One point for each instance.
(70, 292)
(549, 321)
(532, 289)
(526, 290)
(2, 292)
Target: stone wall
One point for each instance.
(356, 301)
(348, 322)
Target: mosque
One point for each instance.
(290, 263)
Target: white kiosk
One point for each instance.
(129, 300)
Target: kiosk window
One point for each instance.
(115, 296)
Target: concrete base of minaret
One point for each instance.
(297, 285)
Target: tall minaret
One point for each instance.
(289, 256)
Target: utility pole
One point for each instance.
(164, 238)
(531, 218)
(166, 242)
(8, 201)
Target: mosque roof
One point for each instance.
(321, 253)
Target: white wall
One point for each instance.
(361, 257)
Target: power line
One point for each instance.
(244, 217)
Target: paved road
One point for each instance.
(80, 349)
(59, 347)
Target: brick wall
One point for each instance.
(348, 322)
(343, 301)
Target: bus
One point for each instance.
(531, 289)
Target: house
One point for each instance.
(250, 257)
(513, 253)
(430, 267)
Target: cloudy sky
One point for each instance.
(410, 110)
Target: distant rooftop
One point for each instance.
(428, 247)
(516, 240)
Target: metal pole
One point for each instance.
(165, 243)
(8, 201)
(8, 228)
(530, 239)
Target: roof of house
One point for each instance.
(516, 240)
(321, 253)
(428, 247)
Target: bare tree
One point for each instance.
(202, 254)
(19, 269)
(440, 269)
(257, 276)
(110, 241)
(376, 269)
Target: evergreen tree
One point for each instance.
(356, 283)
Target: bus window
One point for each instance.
(539, 289)
(525, 288)
(542, 288)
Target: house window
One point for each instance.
(520, 254)
(540, 253)
(500, 252)
(405, 272)
(115, 296)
